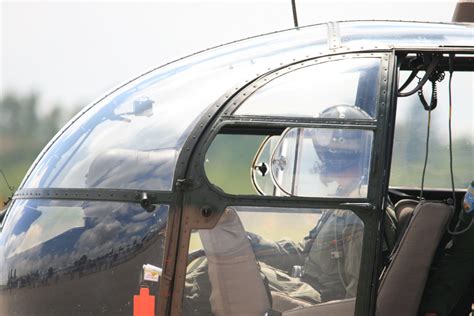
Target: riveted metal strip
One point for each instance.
(155, 197)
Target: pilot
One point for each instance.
(325, 265)
(450, 286)
(332, 250)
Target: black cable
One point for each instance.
(451, 140)
(451, 57)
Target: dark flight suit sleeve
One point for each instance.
(452, 275)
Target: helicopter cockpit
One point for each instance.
(281, 174)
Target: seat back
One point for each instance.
(403, 213)
(402, 284)
(237, 285)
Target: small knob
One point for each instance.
(145, 202)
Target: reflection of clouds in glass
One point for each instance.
(111, 232)
(126, 168)
(100, 234)
(31, 239)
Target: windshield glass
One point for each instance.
(63, 245)
(131, 139)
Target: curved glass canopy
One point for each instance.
(131, 139)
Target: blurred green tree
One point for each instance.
(23, 133)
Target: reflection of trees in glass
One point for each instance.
(24, 132)
(409, 152)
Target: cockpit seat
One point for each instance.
(402, 283)
(403, 212)
(237, 285)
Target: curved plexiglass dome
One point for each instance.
(131, 139)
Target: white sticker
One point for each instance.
(151, 273)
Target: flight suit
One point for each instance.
(334, 256)
(452, 277)
(329, 255)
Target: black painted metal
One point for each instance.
(202, 193)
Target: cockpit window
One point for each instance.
(307, 92)
(322, 162)
(309, 162)
(410, 136)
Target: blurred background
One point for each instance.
(56, 57)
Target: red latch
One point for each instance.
(144, 304)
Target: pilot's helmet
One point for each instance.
(341, 149)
